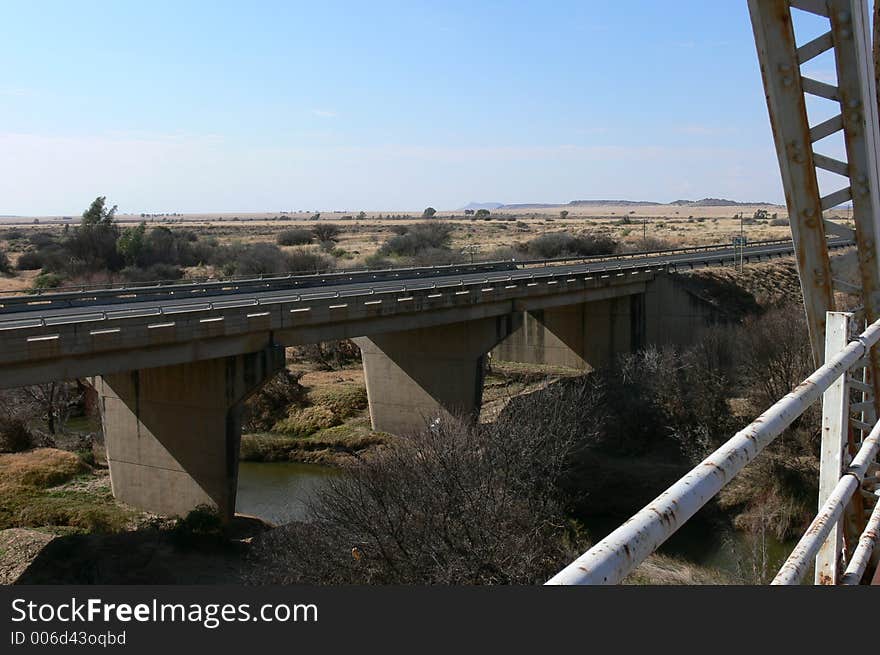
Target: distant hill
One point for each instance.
(622, 203)
(484, 205)
(705, 202)
(531, 205)
(717, 202)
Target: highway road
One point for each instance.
(62, 307)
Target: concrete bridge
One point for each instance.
(174, 364)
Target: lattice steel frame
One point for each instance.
(786, 88)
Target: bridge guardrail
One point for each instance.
(523, 274)
(29, 302)
(615, 556)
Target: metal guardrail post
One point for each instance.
(835, 426)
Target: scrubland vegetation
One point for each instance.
(509, 500)
(99, 248)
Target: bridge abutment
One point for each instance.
(414, 376)
(173, 432)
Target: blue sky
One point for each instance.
(267, 106)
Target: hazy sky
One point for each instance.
(267, 106)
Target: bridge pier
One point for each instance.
(414, 376)
(173, 432)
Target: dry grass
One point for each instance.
(663, 570)
(769, 284)
(40, 468)
(43, 488)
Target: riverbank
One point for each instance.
(330, 425)
(71, 547)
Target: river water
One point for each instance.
(279, 491)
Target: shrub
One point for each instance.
(47, 281)
(775, 355)
(301, 260)
(563, 244)
(29, 261)
(202, 526)
(13, 234)
(344, 399)
(153, 273)
(452, 504)
(5, 264)
(417, 239)
(15, 436)
(305, 422)
(329, 355)
(271, 403)
(327, 232)
(377, 261)
(779, 221)
(437, 257)
(294, 237)
(260, 259)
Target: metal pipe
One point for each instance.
(862, 554)
(801, 558)
(610, 560)
(797, 564)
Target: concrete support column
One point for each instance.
(413, 376)
(580, 336)
(172, 433)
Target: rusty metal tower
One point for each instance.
(799, 146)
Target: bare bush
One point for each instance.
(326, 232)
(453, 504)
(329, 355)
(775, 354)
(54, 402)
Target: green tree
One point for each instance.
(93, 243)
(361, 215)
(429, 212)
(482, 213)
(563, 214)
(98, 214)
(130, 244)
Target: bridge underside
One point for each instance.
(587, 335)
